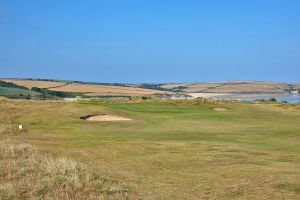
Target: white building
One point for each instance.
(294, 92)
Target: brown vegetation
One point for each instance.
(233, 87)
(35, 83)
(27, 173)
(251, 87)
(101, 90)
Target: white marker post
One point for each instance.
(20, 127)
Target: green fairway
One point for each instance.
(245, 151)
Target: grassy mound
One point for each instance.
(26, 173)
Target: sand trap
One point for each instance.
(104, 118)
(219, 109)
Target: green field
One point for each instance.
(248, 151)
(12, 91)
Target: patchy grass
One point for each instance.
(27, 173)
(248, 151)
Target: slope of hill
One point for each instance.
(88, 89)
(35, 83)
(12, 90)
(235, 87)
(115, 89)
(102, 90)
(15, 91)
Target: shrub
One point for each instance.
(50, 94)
(272, 100)
(11, 85)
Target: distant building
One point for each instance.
(79, 98)
(294, 92)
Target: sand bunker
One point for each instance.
(104, 118)
(219, 109)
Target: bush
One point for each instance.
(260, 100)
(18, 96)
(272, 100)
(50, 94)
(154, 87)
(11, 85)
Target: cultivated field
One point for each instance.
(257, 87)
(180, 151)
(35, 83)
(9, 91)
(100, 90)
(87, 89)
(234, 87)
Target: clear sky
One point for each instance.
(150, 40)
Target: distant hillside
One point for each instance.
(35, 83)
(87, 89)
(234, 87)
(15, 91)
(12, 90)
(61, 89)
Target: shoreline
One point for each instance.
(248, 97)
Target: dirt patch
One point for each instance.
(104, 118)
(219, 109)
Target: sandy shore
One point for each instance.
(248, 97)
(208, 95)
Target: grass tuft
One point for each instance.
(27, 173)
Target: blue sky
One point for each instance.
(150, 41)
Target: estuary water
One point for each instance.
(249, 97)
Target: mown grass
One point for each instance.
(28, 173)
(248, 151)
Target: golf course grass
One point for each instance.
(241, 151)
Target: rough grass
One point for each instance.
(174, 149)
(27, 173)
(233, 87)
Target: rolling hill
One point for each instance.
(90, 89)
(234, 87)
(87, 89)
(12, 91)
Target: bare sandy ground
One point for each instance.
(106, 117)
(208, 95)
(219, 109)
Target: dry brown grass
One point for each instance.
(255, 87)
(26, 173)
(99, 90)
(233, 87)
(31, 83)
(249, 151)
(297, 86)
